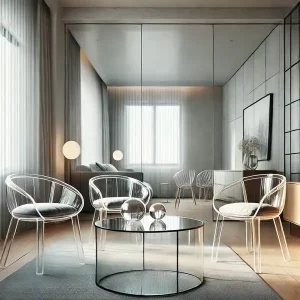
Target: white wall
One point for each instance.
(261, 74)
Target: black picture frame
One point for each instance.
(257, 122)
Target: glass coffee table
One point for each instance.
(148, 257)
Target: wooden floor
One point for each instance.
(283, 277)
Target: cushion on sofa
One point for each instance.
(100, 166)
(83, 168)
(95, 168)
(47, 210)
(247, 210)
(110, 168)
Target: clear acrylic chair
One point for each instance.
(109, 192)
(184, 179)
(41, 199)
(267, 194)
(204, 180)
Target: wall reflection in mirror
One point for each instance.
(171, 97)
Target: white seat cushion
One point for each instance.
(47, 210)
(244, 210)
(111, 202)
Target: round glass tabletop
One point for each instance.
(148, 224)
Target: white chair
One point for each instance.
(204, 180)
(41, 199)
(184, 179)
(270, 192)
(109, 192)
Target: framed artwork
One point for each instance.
(257, 123)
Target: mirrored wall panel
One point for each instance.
(178, 103)
(159, 98)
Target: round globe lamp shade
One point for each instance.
(71, 150)
(117, 155)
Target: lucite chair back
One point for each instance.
(116, 187)
(41, 199)
(184, 179)
(252, 199)
(204, 180)
(109, 192)
(36, 189)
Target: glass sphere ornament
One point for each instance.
(133, 209)
(157, 211)
(158, 225)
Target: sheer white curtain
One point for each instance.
(73, 99)
(105, 125)
(24, 126)
(146, 125)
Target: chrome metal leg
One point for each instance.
(193, 195)
(282, 240)
(77, 236)
(13, 225)
(40, 229)
(256, 244)
(217, 238)
(249, 240)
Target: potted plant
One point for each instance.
(249, 147)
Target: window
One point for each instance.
(153, 134)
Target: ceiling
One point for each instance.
(172, 55)
(178, 3)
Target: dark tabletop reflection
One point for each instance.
(148, 224)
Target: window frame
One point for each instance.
(154, 164)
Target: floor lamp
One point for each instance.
(71, 151)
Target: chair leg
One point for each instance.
(8, 241)
(193, 195)
(77, 236)
(199, 193)
(217, 238)
(179, 192)
(206, 191)
(176, 198)
(103, 215)
(256, 244)
(282, 240)
(249, 241)
(40, 229)
(95, 218)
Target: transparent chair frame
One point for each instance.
(23, 189)
(184, 179)
(136, 189)
(204, 180)
(273, 190)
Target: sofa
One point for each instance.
(81, 176)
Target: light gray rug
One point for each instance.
(65, 279)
